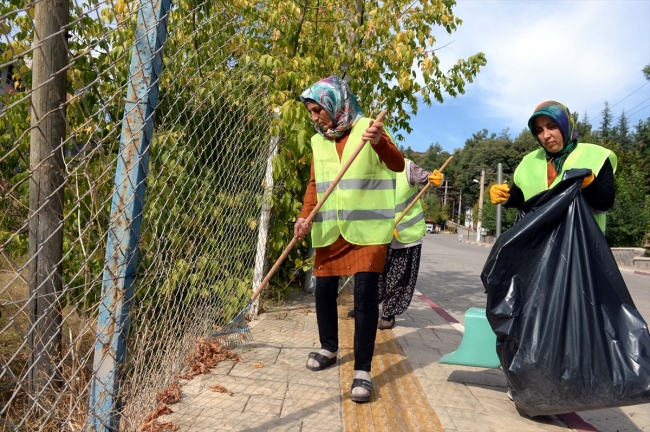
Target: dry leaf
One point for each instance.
(207, 355)
(282, 315)
(218, 388)
(258, 365)
(156, 426)
(305, 311)
(161, 410)
(171, 395)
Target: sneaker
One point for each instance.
(509, 393)
(386, 324)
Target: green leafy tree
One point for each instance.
(384, 50)
(487, 151)
(409, 153)
(628, 221)
(642, 143)
(508, 216)
(435, 211)
(584, 128)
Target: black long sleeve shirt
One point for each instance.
(599, 194)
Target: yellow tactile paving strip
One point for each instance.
(398, 402)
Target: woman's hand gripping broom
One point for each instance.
(417, 197)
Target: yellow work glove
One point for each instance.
(587, 181)
(499, 193)
(435, 178)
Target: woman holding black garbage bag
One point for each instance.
(553, 127)
(569, 337)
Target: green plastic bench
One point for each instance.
(478, 347)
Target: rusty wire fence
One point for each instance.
(134, 144)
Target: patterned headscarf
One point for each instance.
(334, 95)
(562, 117)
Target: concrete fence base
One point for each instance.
(631, 257)
(626, 256)
(642, 263)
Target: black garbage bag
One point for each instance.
(568, 334)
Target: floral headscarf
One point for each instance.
(562, 117)
(334, 95)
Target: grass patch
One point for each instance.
(64, 404)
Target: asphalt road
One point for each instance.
(450, 276)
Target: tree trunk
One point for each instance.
(46, 196)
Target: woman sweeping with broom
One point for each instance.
(353, 228)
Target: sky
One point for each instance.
(578, 52)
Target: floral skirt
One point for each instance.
(397, 282)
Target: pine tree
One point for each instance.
(606, 125)
(583, 127)
(624, 136)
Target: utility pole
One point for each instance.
(444, 201)
(460, 199)
(48, 130)
(480, 208)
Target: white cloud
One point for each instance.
(580, 53)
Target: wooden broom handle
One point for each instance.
(313, 213)
(418, 196)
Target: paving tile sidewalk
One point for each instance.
(284, 396)
(464, 398)
(279, 394)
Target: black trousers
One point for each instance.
(366, 314)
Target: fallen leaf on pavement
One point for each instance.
(207, 355)
(218, 388)
(156, 426)
(161, 410)
(171, 395)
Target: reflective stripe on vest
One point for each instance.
(369, 184)
(362, 206)
(412, 227)
(530, 175)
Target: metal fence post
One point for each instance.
(499, 206)
(265, 217)
(46, 196)
(126, 214)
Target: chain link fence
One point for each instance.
(134, 148)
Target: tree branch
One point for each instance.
(302, 20)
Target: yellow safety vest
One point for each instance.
(362, 206)
(530, 175)
(412, 227)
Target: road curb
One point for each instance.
(487, 245)
(636, 272)
(436, 307)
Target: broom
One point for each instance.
(417, 197)
(237, 330)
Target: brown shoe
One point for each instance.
(386, 324)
